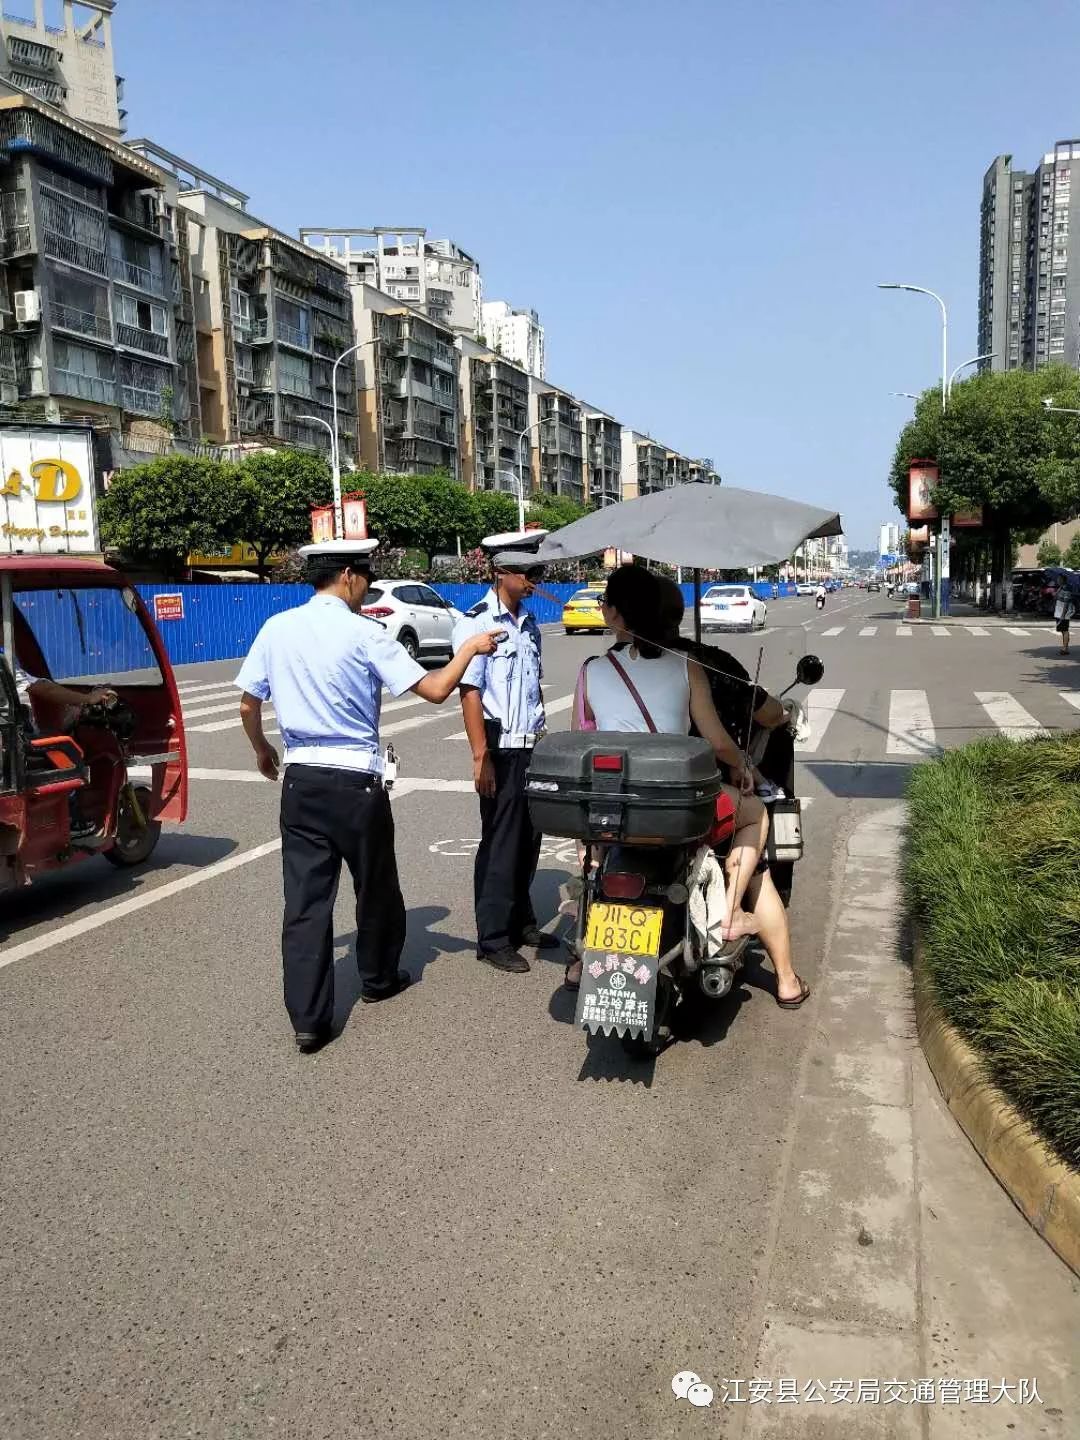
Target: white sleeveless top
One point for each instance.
(662, 684)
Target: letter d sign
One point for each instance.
(58, 482)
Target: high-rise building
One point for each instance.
(88, 277)
(603, 456)
(517, 334)
(69, 65)
(435, 276)
(407, 372)
(558, 454)
(270, 318)
(1029, 262)
(496, 437)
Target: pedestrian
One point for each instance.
(323, 665)
(1064, 609)
(504, 717)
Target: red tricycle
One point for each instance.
(92, 751)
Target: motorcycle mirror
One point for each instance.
(809, 670)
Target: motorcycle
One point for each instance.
(655, 825)
(820, 602)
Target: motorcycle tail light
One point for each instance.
(607, 762)
(622, 885)
(376, 612)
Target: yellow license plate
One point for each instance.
(624, 929)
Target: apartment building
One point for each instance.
(434, 276)
(517, 334)
(89, 276)
(494, 415)
(603, 456)
(63, 55)
(558, 463)
(407, 373)
(703, 472)
(1029, 262)
(270, 320)
(644, 464)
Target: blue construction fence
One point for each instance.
(91, 632)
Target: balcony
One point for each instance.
(137, 401)
(138, 276)
(51, 91)
(131, 337)
(85, 387)
(75, 252)
(32, 54)
(295, 385)
(79, 322)
(445, 356)
(258, 330)
(26, 130)
(292, 335)
(245, 374)
(8, 369)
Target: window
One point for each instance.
(81, 360)
(429, 597)
(143, 314)
(85, 632)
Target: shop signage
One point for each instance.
(46, 493)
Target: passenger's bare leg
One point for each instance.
(768, 909)
(746, 847)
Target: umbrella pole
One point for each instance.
(697, 607)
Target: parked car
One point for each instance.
(414, 615)
(1027, 588)
(873, 585)
(805, 588)
(582, 614)
(912, 590)
(732, 607)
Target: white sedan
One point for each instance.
(732, 607)
(413, 614)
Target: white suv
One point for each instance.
(414, 615)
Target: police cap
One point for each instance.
(515, 549)
(328, 557)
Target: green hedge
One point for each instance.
(992, 870)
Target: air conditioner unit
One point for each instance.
(27, 307)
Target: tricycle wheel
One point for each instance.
(134, 843)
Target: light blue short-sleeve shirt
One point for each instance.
(323, 667)
(508, 680)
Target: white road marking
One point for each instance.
(232, 706)
(1009, 715)
(902, 631)
(1015, 630)
(143, 772)
(220, 692)
(551, 707)
(821, 706)
(941, 631)
(189, 689)
(868, 630)
(64, 934)
(213, 726)
(1071, 696)
(836, 630)
(911, 727)
(976, 630)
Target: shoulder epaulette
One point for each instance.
(478, 609)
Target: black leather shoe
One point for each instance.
(308, 1041)
(402, 981)
(504, 959)
(539, 939)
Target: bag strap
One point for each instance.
(583, 697)
(633, 691)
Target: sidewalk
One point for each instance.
(962, 612)
(896, 1255)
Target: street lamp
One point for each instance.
(975, 360)
(335, 460)
(942, 540)
(922, 290)
(521, 468)
(1048, 404)
(904, 394)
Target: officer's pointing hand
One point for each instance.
(487, 643)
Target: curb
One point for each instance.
(1042, 1187)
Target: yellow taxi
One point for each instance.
(582, 611)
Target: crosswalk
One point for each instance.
(902, 631)
(904, 725)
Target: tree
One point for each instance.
(551, 512)
(1048, 553)
(998, 447)
(162, 511)
(496, 512)
(275, 492)
(1072, 553)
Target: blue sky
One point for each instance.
(698, 196)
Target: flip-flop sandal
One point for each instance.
(567, 982)
(796, 1001)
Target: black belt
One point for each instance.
(354, 779)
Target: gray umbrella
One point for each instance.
(703, 527)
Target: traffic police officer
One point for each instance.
(323, 665)
(504, 718)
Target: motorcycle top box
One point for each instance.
(618, 786)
